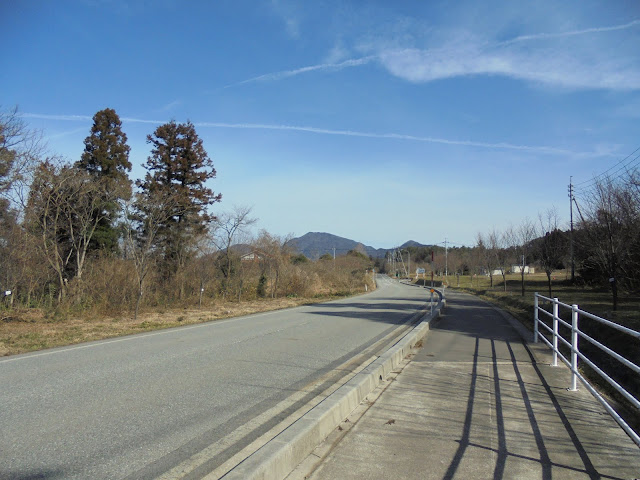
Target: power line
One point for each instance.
(619, 169)
(593, 187)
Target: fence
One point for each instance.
(573, 345)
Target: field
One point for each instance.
(594, 300)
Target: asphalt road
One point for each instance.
(137, 406)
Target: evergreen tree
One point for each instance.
(179, 166)
(106, 157)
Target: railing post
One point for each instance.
(535, 317)
(555, 332)
(431, 302)
(574, 348)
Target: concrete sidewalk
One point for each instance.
(477, 402)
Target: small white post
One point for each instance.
(535, 318)
(574, 348)
(555, 332)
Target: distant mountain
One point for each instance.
(315, 244)
(412, 243)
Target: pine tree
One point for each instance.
(106, 158)
(180, 167)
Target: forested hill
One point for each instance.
(315, 244)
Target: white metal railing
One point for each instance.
(572, 363)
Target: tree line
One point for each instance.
(82, 234)
(603, 248)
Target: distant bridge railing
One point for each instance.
(575, 353)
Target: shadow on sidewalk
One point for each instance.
(478, 321)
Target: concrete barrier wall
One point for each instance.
(276, 459)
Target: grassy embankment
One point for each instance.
(27, 330)
(38, 329)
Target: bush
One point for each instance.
(261, 290)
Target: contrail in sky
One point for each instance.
(348, 133)
(397, 136)
(365, 60)
(312, 68)
(541, 36)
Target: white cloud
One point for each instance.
(290, 14)
(337, 54)
(574, 59)
(568, 59)
(546, 66)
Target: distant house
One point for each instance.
(518, 269)
(247, 253)
(251, 257)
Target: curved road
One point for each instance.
(137, 406)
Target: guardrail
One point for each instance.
(576, 354)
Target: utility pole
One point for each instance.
(446, 259)
(393, 262)
(404, 267)
(573, 265)
(431, 268)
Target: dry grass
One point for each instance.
(596, 300)
(30, 330)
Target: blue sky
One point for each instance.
(377, 121)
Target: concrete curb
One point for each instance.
(276, 459)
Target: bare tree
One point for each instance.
(46, 211)
(523, 238)
(500, 246)
(610, 232)
(552, 246)
(456, 263)
(62, 207)
(143, 220)
(487, 246)
(275, 253)
(21, 150)
(227, 228)
(207, 250)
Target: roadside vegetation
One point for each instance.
(87, 254)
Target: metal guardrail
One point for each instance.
(572, 363)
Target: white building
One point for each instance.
(518, 269)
